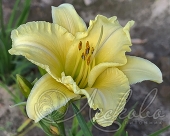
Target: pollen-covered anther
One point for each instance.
(80, 45)
(88, 60)
(83, 56)
(87, 51)
(87, 48)
(92, 50)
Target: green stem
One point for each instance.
(27, 130)
(22, 127)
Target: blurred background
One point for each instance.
(151, 40)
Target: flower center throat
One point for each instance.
(86, 54)
(84, 63)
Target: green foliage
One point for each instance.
(85, 129)
(53, 124)
(42, 71)
(89, 125)
(122, 131)
(11, 65)
(24, 85)
(25, 124)
(157, 133)
(75, 130)
(75, 124)
(49, 128)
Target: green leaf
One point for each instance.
(24, 85)
(126, 133)
(52, 128)
(42, 71)
(4, 57)
(2, 20)
(75, 124)
(46, 127)
(21, 65)
(81, 121)
(24, 15)
(125, 122)
(53, 123)
(70, 133)
(90, 126)
(157, 133)
(12, 16)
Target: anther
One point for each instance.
(87, 51)
(87, 48)
(80, 45)
(92, 50)
(88, 60)
(87, 44)
(83, 56)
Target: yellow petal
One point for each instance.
(108, 94)
(72, 58)
(127, 27)
(137, 70)
(66, 16)
(44, 44)
(46, 96)
(97, 70)
(109, 39)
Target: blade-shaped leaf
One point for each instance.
(42, 71)
(45, 126)
(124, 123)
(12, 16)
(25, 12)
(2, 20)
(81, 121)
(157, 133)
(89, 124)
(75, 123)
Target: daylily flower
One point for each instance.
(82, 62)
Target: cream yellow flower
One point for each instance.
(82, 62)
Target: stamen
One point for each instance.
(88, 60)
(81, 73)
(76, 65)
(92, 50)
(87, 44)
(78, 59)
(80, 45)
(83, 56)
(87, 48)
(84, 81)
(87, 51)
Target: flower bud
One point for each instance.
(24, 85)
